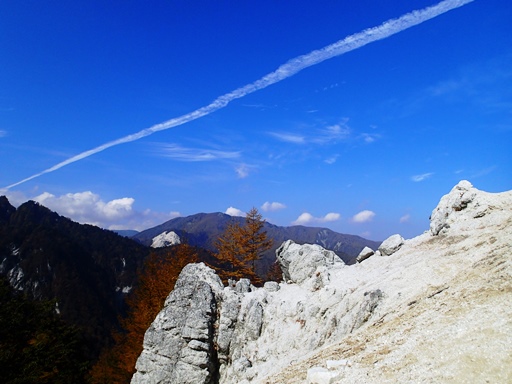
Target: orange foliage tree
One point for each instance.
(241, 246)
(116, 365)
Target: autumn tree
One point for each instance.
(254, 239)
(157, 279)
(241, 246)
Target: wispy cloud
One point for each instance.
(307, 218)
(242, 171)
(363, 216)
(284, 71)
(483, 172)
(3, 133)
(370, 137)
(232, 211)
(271, 207)
(405, 218)
(421, 177)
(332, 133)
(332, 159)
(180, 153)
(259, 106)
(289, 137)
(482, 85)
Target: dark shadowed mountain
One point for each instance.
(203, 229)
(85, 269)
(126, 232)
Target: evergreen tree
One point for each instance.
(36, 346)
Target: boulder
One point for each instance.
(320, 375)
(391, 245)
(300, 262)
(364, 254)
(271, 286)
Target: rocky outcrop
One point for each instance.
(435, 310)
(165, 239)
(299, 262)
(178, 346)
(208, 332)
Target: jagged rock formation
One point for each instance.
(178, 345)
(435, 309)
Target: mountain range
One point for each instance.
(88, 271)
(85, 269)
(203, 229)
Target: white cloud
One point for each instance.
(242, 171)
(331, 216)
(332, 159)
(334, 133)
(88, 208)
(177, 152)
(405, 218)
(363, 216)
(231, 211)
(304, 218)
(289, 137)
(423, 176)
(307, 218)
(274, 206)
(3, 133)
(370, 137)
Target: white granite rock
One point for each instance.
(437, 311)
(165, 239)
(391, 245)
(365, 253)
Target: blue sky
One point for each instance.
(364, 143)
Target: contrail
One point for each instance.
(286, 70)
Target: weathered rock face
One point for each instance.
(386, 319)
(208, 332)
(178, 346)
(298, 262)
(457, 200)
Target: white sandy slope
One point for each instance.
(446, 314)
